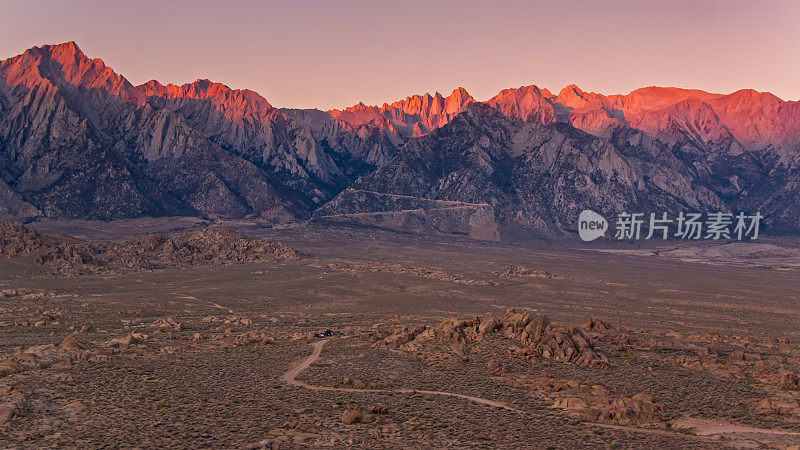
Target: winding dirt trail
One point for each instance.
(295, 369)
(703, 429)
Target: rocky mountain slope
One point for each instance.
(245, 124)
(485, 172)
(362, 138)
(736, 152)
(79, 140)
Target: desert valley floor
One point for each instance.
(431, 342)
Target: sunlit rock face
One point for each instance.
(79, 140)
(486, 174)
(413, 117)
(245, 124)
(742, 148)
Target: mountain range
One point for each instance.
(78, 140)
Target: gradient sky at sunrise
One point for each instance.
(335, 53)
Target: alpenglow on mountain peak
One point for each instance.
(202, 148)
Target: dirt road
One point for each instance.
(291, 375)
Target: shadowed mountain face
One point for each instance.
(81, 141)
(56, 161)
(245, 124)
(744, 146)
(485, 174)
(704, 151)
(78, 140)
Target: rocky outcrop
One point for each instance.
(784, 405)
(66, 256)
(539, 339)
(536, 337)
(595, 403)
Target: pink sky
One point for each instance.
(335, 53)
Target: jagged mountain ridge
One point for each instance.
(244, 123)
(362, 138)
(55, 161)
(79, 140)
(486, 174)
(743, 147)
(176, 151)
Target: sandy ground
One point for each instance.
(225, 356)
